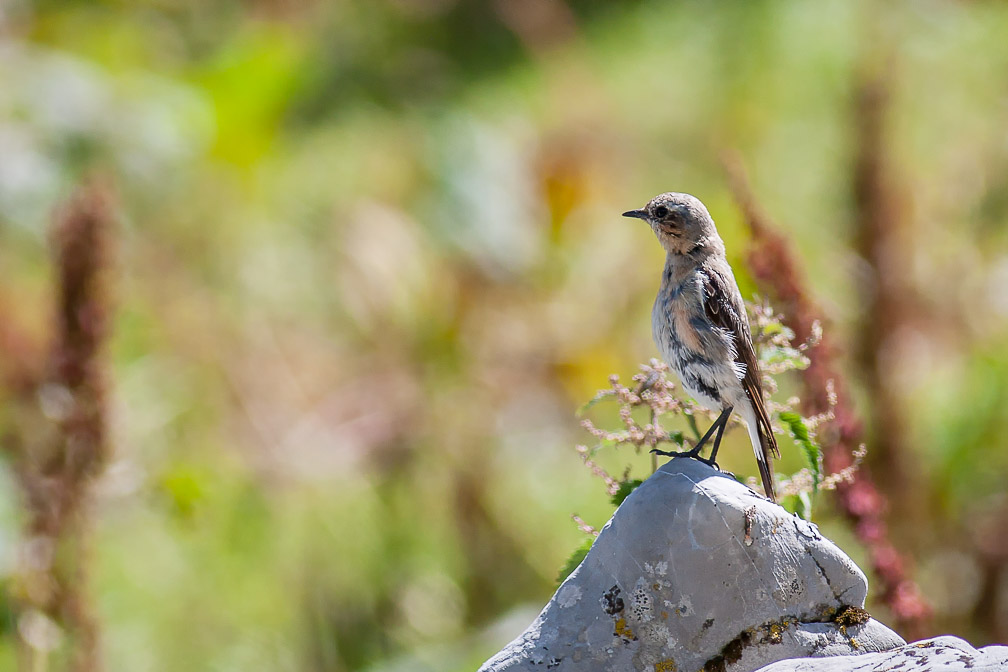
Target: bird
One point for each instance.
(700, 326)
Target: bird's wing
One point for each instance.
(725, 309)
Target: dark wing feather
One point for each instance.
(724, 308)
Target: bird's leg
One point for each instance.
(722, 422)
(695, 451)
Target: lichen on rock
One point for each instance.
(696, 571)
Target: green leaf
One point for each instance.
(575, 559)
(789, 503)
(676, 438)
(773, 354)
(800, 504)
(691, 421)
(591, 402)
(625, 488)
(805, 505)
(776, 328)
(800, 434)
(186, 489)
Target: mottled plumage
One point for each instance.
(700, 325)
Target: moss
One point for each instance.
(732, 652)
(773, 632)
(847, 616)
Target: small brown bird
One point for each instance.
(700, 326)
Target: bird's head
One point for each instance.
(681, 222)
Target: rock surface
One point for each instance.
(695, 569)
(941, 653)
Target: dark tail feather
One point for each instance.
(768, 446)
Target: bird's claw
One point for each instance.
(678, 453)
(695, 454)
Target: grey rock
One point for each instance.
(696, 569)
(940, 653)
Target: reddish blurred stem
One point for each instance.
(884, 242)
(59, 446)
(774, 266)
(81, 242)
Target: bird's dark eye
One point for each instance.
(660, 212)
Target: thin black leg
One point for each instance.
(694, 452)
(723, 420)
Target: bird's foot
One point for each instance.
(709, 461)
(676, 453)
(693, 453)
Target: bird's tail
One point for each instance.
(764, 445)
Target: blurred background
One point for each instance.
(298, 300)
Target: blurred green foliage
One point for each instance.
(370, 262)
(800, 433)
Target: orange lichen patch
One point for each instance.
(665, 666)
(664, 615)
(621, 629)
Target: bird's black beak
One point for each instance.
(639, 214)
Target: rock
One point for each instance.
(941, 653)
(696, 570)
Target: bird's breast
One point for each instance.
(694, 347)
(678, 320)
